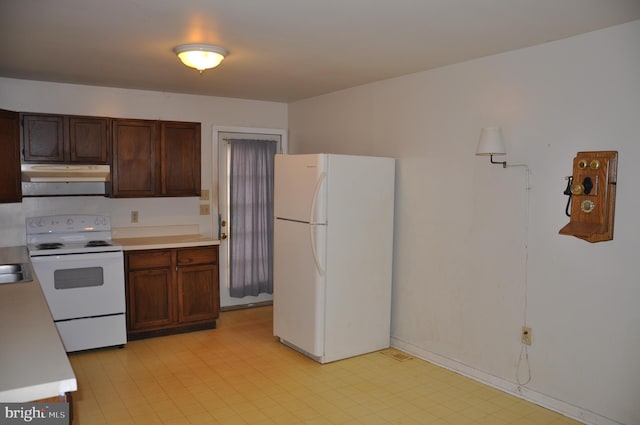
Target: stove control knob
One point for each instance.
(69, 221)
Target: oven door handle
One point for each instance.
(78, 256)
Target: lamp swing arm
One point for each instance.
(504, 163)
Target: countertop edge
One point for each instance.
(164, 242)
(39, 325)
(39, 392)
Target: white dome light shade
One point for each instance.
(200, 56)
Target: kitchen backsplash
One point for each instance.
(151, 212)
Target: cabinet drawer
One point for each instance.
(203, 255)
(149, 259)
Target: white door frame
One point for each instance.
(219, 159)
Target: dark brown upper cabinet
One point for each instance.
(155, 158)
(180, 151)
(65, 139)
(89, 140)
(10, 183)
(136, 157)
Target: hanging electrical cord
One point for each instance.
(523, 358)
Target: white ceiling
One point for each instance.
(280, 50)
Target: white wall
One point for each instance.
(460, 263)
(34, 96)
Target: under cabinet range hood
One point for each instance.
(65, 173)
(64, 179)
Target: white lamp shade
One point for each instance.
(200, 56)
(491, 142)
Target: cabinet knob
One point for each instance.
(224, 235)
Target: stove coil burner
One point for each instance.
(97, 243)
(50, 245)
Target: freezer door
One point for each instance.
(298, 286)
(300, 187)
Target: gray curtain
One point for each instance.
(251, 220)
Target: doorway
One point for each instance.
(222, 135)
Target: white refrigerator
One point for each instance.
(333, 249)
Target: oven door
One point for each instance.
(82, 285)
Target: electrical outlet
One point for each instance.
(526, 335)
(134, 216)
(204, 194)
(204, 209)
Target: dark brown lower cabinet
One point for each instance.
(171, 290)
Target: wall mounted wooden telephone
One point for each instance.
(592, 194)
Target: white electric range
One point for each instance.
(81, 272)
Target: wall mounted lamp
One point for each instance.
(200, 56)
(491, 143)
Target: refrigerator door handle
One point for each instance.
(321, 178)
(312, 238)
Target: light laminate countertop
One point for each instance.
(163, 242)
(33, 362)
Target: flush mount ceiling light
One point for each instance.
(200, 56)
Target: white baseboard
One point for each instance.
(566, 409)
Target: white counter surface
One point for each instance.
(33, 362)
(162, 242)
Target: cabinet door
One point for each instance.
(43, 138)
(197, 293)
(180, 142)
(151, 298)
(135, 158)
(89, 140)
(10, 182)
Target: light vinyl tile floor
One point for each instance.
(240, 374)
